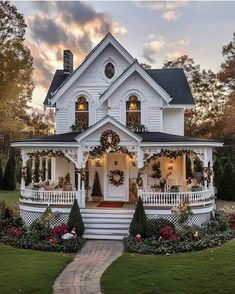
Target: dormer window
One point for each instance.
(81, 114)
(133, 113)
(109, 70)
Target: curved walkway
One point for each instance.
(82, 275)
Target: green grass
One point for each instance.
(27, 271)
(204, 272)
(10, 197)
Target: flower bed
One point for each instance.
(39, 236)
(166, 240)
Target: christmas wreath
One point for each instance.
(116, 177)
(110, 139)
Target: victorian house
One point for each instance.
(119, 136)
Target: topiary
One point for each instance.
(75, 219)
(139, 221)
(9, 178)
(154, 225)
(96, 190)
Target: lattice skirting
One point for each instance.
(196, 219)
(30, 216)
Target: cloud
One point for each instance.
(153, 45)
(170, 9)
(55, 25)
(175, 54)
(170, 15)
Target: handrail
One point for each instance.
(197, 198)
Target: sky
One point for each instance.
(151, 31)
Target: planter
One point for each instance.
(196, 189)
(97, 198)
(67, 187)
(174, 190)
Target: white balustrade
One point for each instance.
(198, 198)
(52, 197)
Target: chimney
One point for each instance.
(68, 61)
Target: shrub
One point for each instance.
(96, 190)
(75, 219)
(168, 233)
(1, 173)
(153, 226)
(39, 230)
(221, 222)
(139, 221)
(9, 178)
(60, 230)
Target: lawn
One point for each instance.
(204, 272)
(27, 271)
(10, 197)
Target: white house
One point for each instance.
(126, 123)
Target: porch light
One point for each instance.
(170, 165)
(98, 163)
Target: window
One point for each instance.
(81, 114)
(109, 70)
(133, 113)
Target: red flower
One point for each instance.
(60, 230)
(168, 233)
(15, 232)
(53, 241)
(138, 238)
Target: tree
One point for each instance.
(75, 219)
(210, 97)
(96, 190)
(16, 69)
(227, 73)
(146, 66)
(227, 186)
(9, 178)
(139, 221)
(1, 173)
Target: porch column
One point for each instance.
(40, 169)
(46, 169)
(24, 169)
(53, 168)
(33, 170)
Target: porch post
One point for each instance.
(24, 169)
(205, 164)
(40, 169)
(33, 169)
(46, 169)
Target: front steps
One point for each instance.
(106, 223)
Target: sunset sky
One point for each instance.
(151, 31)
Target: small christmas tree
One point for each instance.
(96, 190)
(139, 221)
(157, 174)
(75, 219)
(9, 178)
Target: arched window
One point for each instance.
(82, 114)
(133, 113)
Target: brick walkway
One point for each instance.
(82, 276)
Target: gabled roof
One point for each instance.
(174, 82)
(108, 39)
(59, 78)
(103, 121)
(135, 67)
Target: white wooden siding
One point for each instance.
(62, 121)
(173, 121)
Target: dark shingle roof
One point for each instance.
(146, 136)
(174, 82)
(58, 79)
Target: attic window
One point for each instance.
(109, 70)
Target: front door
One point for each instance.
(117, 166)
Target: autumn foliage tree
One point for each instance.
(16, 72)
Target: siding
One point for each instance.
(173, 121)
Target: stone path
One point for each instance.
(82, 276)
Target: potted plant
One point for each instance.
(156, 174)
(96, 193)
(162, 184)
(174, 188)
(67, 185)
(196, 188)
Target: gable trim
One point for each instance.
(108, 39)
(103, 121)
(135, 67)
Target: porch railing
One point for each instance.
(199, 198)
(52, 197)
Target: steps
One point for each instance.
(106, 223)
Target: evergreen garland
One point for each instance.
(168, 153)
(157, 174)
